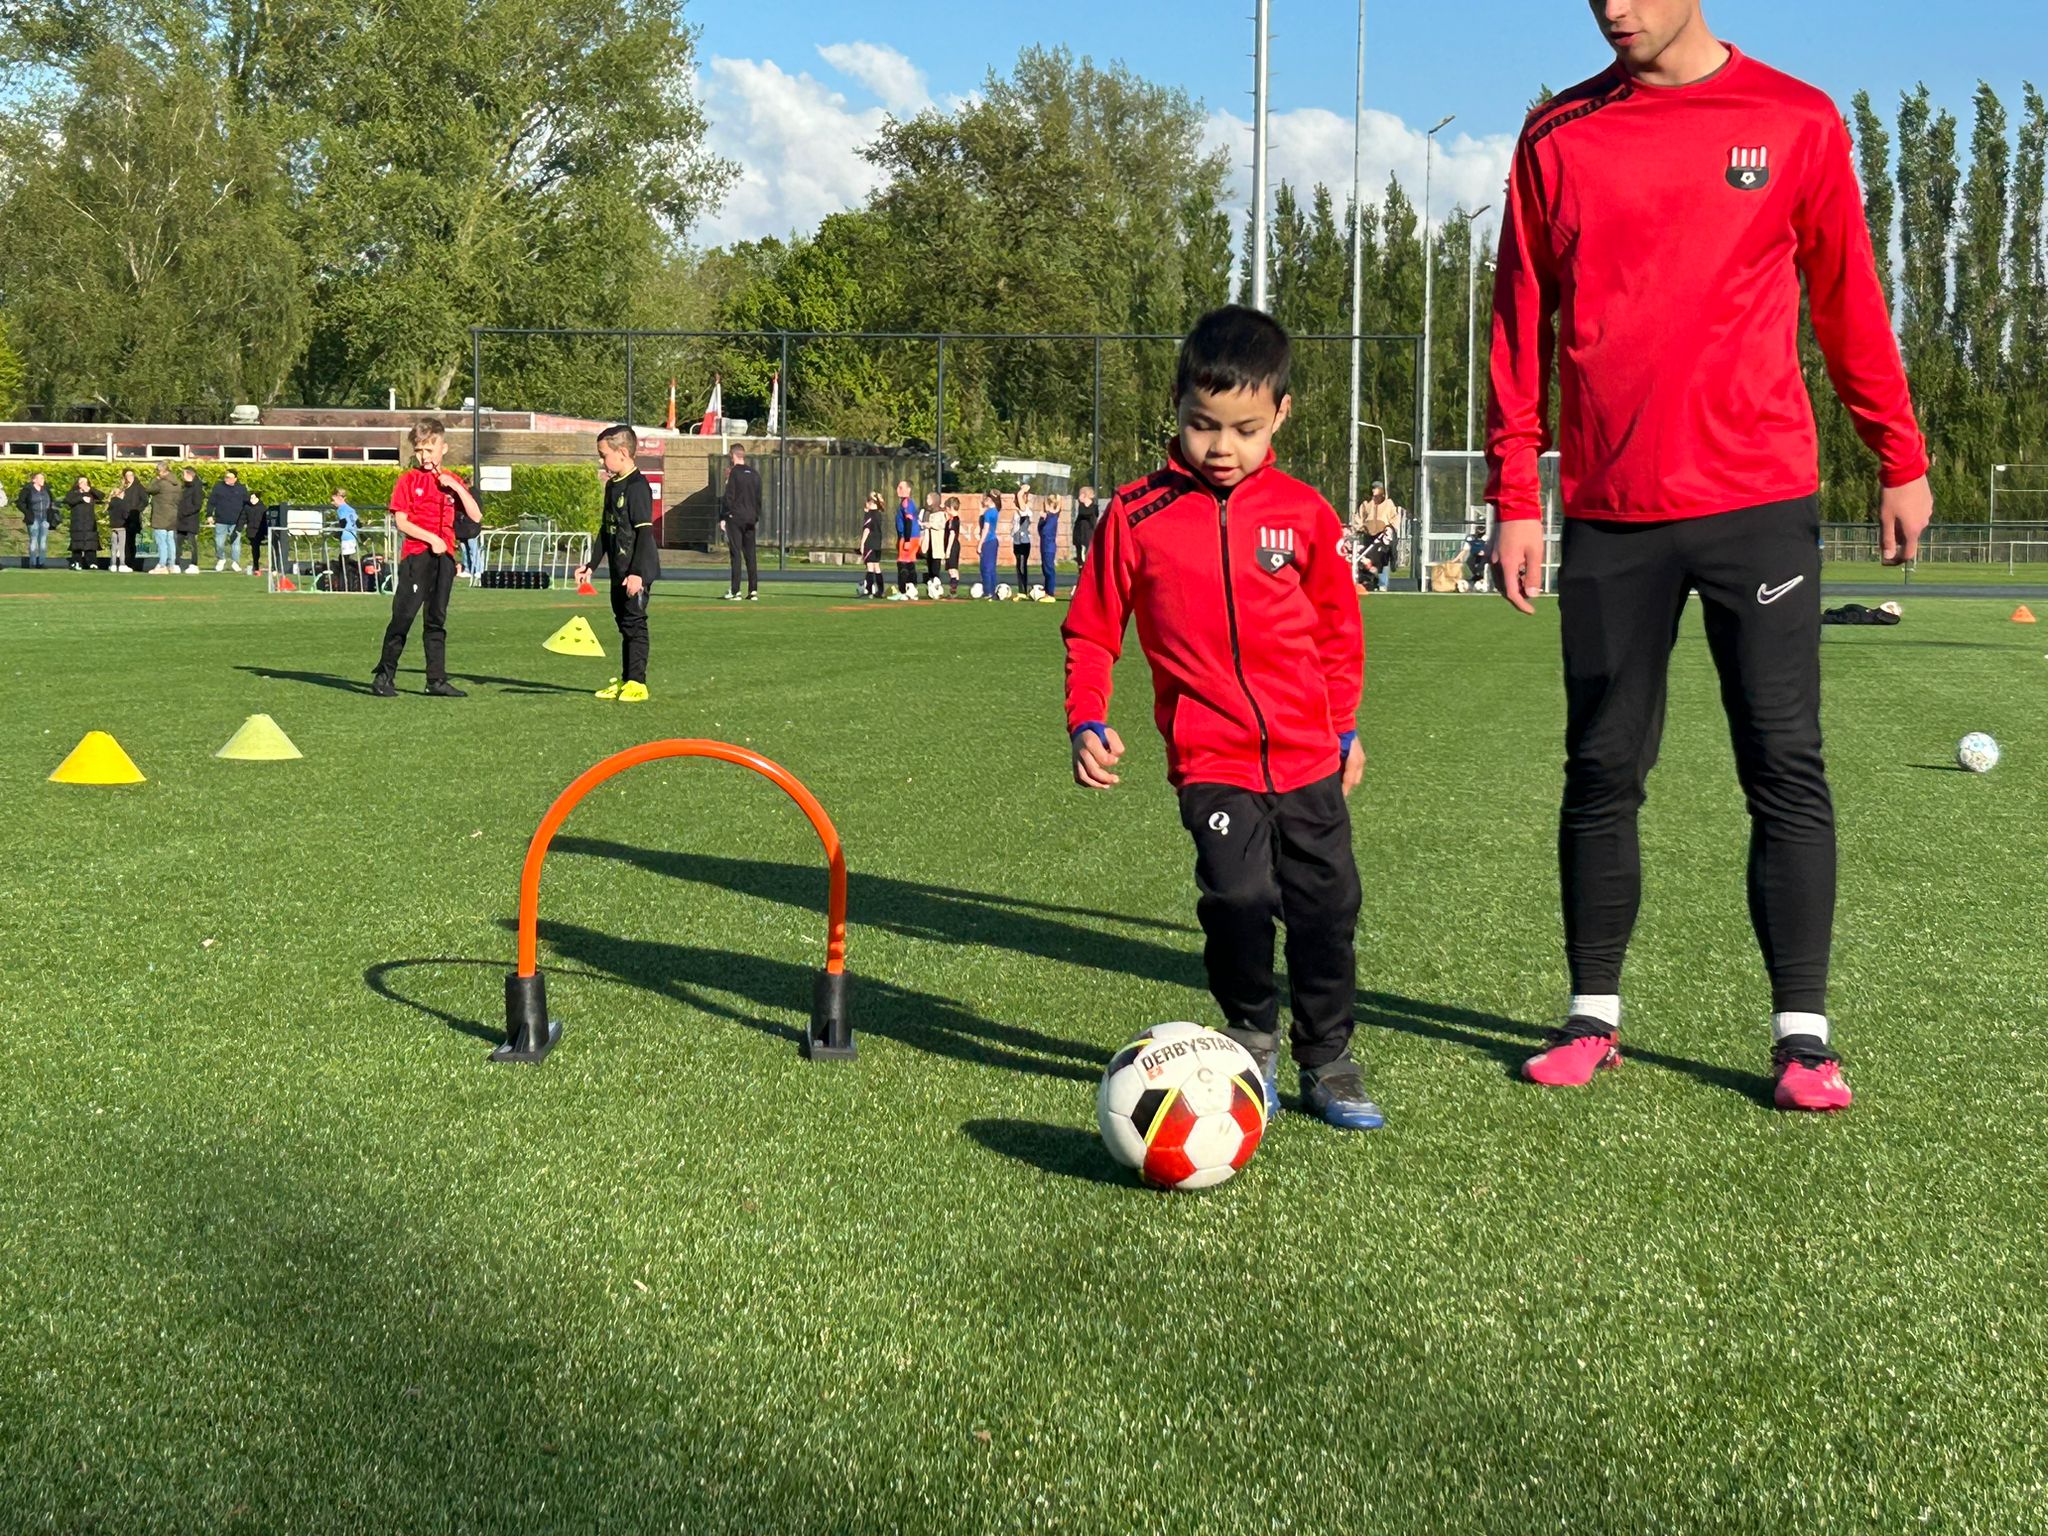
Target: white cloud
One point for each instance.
(896, 82)
(798, 144)
(1311, 145)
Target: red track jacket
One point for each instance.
(1667, 229)
(1246, 613)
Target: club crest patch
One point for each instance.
(1276, 550)
(1749, 170)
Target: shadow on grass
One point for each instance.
(745, 989)
(311, 679)
(1035, 929)
(378, 978)
(941, 914)
(1939, 767)
(1060, 1149)
(362, 685)
(1510, 1043)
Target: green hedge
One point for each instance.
(567, 493)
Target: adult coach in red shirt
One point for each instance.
(1660, 220)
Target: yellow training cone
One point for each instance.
(575, 638)
(98, 759)
(259, 741)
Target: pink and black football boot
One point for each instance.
(1809, 1075)
(1573, 1054)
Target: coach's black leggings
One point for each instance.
(1621, 592)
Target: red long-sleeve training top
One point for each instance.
(1666, 228)
(1246, 612)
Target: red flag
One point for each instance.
(714, 409)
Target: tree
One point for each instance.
(11, 372)
(1873, 164)
(149, 260)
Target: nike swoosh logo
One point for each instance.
(1768, 595)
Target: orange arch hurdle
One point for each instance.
(530, 1034)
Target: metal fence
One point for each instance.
(307, 555)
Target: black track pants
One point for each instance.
(1621, 592)
(1261, 857)
(424, 581)
(739, 540)
(630, 613)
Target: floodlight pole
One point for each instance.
(939, 430)
(476, 406)
(1357, 260)
(628, 417)
(1428, 318)
(782, 464)
(1471, 338)
(1262, 19)
(1095, 440)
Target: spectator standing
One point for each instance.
(124, 517)
(225, 502)
(163, 520)
(256, 524)
(1020, 541)
(346, 521)
(84, 503)
(191, 509)
(38, 511)
(1085, 515)
(739, 518)
(1049, 545)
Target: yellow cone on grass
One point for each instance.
(98, 759)
(259, 741)
(575, 638)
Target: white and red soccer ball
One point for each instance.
(1183, 1105)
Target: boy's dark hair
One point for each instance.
(621, 433)
(952, 504)
(1235, 348)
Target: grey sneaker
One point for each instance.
(1265, 1050)
(1335, 1094)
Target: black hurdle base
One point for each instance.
(529, 1033)
(831, 1036)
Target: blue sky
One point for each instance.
(795, 85)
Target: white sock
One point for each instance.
(1602, 1006)
(1815, 1024)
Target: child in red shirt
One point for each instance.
(1246, 612)
(425, 505)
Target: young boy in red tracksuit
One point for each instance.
(1248, 618)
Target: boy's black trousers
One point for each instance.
(631, 616)
(425, 580)
(1621, 594)
(1261, 857)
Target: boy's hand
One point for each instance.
(1097, 751)
(1517, 557)
(634, 585)
(437, 544)
(1354, 766)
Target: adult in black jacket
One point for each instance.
(225, 503)
(38, 505)
(84, 503)
(191, 504)
(124, 520)
(739, 513)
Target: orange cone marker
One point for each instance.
(2023, 615)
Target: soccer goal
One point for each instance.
(1454, 509)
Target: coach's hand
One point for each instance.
(1903, 513)
(583, 573)
(634, 585)
(1518, 561)
(1096, 754)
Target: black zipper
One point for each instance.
(1237, 655)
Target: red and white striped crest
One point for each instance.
(1749, 159)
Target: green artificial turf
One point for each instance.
(282, 1252)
